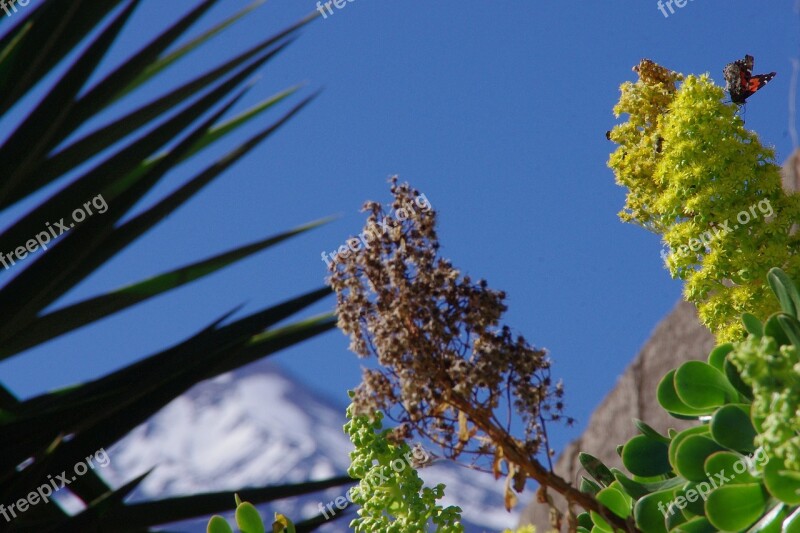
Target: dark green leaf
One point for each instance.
(596, 469)
(646, 457)
(30, 142)
(151, 513)
(80, 314)
(55, 29)
(649, 432)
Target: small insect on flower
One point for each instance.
(740, 82)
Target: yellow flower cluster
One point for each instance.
(690, 168)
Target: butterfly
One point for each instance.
(740, 82)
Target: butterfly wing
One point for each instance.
(750, 86)
(758, 81)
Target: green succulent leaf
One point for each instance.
(734, 467)
(248, 519)
(650, 511)
(617, 502)
(731, 427)
(668, 398)
(698, 524)
(693, 497)
(736, 507)
(716, 357)
(752, 324)
(701, 386)
(679, 438)
(644, 456)
(786, 291)
(217, 524)
(780, 482)
(691, 455)
(675, 519)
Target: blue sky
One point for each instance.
(497, 111)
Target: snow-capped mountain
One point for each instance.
(256, 426)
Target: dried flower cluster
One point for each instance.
(651, 73)
(445, 361)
